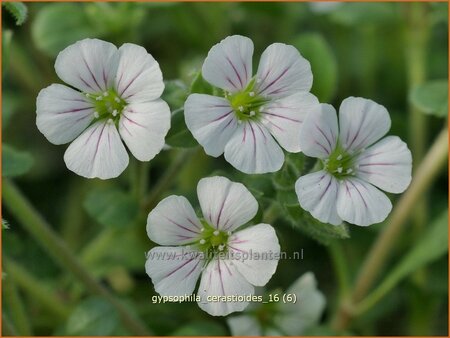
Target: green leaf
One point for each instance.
(111, 207)
(92, 317)
(15, 162)
(6, 43)
(199, 85)
(356, 14)
(200, 328)
(179, 135)
(317, 51)
(18, 9)
(431, 97)
(431, 246)
(53, 19)
(175, 93)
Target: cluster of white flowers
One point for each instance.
(117, 98)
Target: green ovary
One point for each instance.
(340, 163)
(212, 240)
(108, 105)
(246, 104)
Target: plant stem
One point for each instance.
(16, 307)
(167, 179)
(336, 253)
(271, 213)
(8, 328)
(35, 288)
(426, 173)
(33, 222)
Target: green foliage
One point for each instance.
(431, 97)
(296, 165)
(92, 317)
(317, 51)
(5, 224)
(53, 19)
(111, 207)
(199, 85)
(18, 10)
(200, 329)
(179, 135)
(6, 44)
(357, 14)
(15, 162)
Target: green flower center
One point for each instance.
(340, 163)
(108, 105)
(246, 104)
(211, 240)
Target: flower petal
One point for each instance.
(244, 325)
(226, 205)
(144, 126)
(173, 222)
(284, 118)
(361, 203)
(387, 164)
(97, 152)
(229, 63)
(255, 251)
(89, 65)
(319, 132)
(317, 193)
(211, 121)
(297, 317)
(221, 278)
(282, 71)
(139, 77)
(361, 123)
(174, 270)
(62, 113)
(253, 150)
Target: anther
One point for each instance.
(339, 157)
(117, 99)
(241, 109)
(202, 229)
(99, 98)
(251, 94)
(349, 171)
(110, 121)
(252, 113)
(96, 114)
(202, 241)
(115, 112)
(105, 94)
(339, 170)
(221, 247)
(216, 233)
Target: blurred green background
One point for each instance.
(393, 53)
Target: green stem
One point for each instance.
(340, 266)
(8, 328)
(271, 214)
(15, 304)
(33, 222)
(430, 167)
(168, 178)
(35, 288)
(73, 219)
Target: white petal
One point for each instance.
(296, 317)
(319, 132)
(361, 123)
(139, 77)
(255, 251)
(284, 118)
(244, 325)
(317, 193)
(221, 278)
(144, 126)
(173, 222)
(89, 65)
(62, 113)
(282, 71)
(387, 164)
(226, 205)
(229, 63)
(98, 152)
(361, 203)
(211, 121)
(174, 270)
(253, 150)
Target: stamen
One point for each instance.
(252, 113)
(221, 247)
(96, 114)
(216, 233)
(349, 171)
(202, 229)
(202, 241)
(105, 94)
(117, 99)
(99, 98)
(110, 121)
(251, 94)
(339, 157)
(241, 109)
(339, 170)
(115, 112)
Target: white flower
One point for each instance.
(353, 165)
(117, 99)
(284, 319)
(257, 114)
(232, 262)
